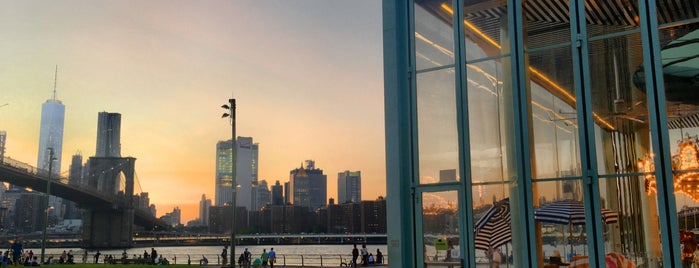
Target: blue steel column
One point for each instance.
(583, 94)
(399, 133)
(465, 203)
(522, 196)
(655, 88)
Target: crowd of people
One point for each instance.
(366, 257)
(246, 260)
(16, 255)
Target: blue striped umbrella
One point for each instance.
(493, 229)
(569, 212)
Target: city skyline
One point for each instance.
(168, 68)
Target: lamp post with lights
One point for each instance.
(46, 211)
(231, 114)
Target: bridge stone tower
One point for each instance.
(110, 227)
(111, 175)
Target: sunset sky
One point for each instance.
(307, 76)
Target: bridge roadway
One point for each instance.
(25, 175)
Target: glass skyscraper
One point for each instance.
(308, 187)
(51, 138)
(51, 134)
(246, 172)
(349, 187)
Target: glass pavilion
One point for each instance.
(498, 109)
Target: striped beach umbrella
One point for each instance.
(569, 212)
(493, 229)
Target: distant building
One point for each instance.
(221, 216)
(264, 196)
(108, 135)
(373, 216)
(173, 218)
(51, 136)
(349, 187)
(142, 201)
(246, 172)
(287, 186)
(3, 138)
(204, 207)
(75, 172)
(72, 212)
(277, 194)
(308, 186)
(28, 213)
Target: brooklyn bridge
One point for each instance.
(107, 199)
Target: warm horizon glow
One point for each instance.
(308, 85)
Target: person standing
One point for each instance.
(264, 257)
(355, 255)
(97, 256)
(272, 257)
(224, 256)
(153, 255)
(365, 255)
(379, 256)
(17, 252)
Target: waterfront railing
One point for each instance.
(283, 260)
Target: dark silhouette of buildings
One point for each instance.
(368, 216)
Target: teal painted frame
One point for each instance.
(401, 135)
(659, 133)
(399, 132)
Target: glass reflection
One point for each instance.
(437, 133)
(440, 227)
(434, 37)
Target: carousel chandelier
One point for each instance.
(687, 158)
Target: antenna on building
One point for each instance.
(55, 77)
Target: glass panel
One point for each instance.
(434, 35)
(492, 225)
(437, 133)
(485, 28)
(630, 236)
(605, 17)
(490, 119)
(554, 118)
(440, 227)
(680, 68)
(547, 23)
(560, 221)
(618, 103)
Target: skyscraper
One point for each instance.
(108, 135)
(308, 186)
(76, 169)
(246, 172)
(51, 136)
(204, 206)
(277, 194)
(3, 137)
(349, 187)
(263, 197)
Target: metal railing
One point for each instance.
(295, 260)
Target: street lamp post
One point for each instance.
(231, 114)
(46, 211)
